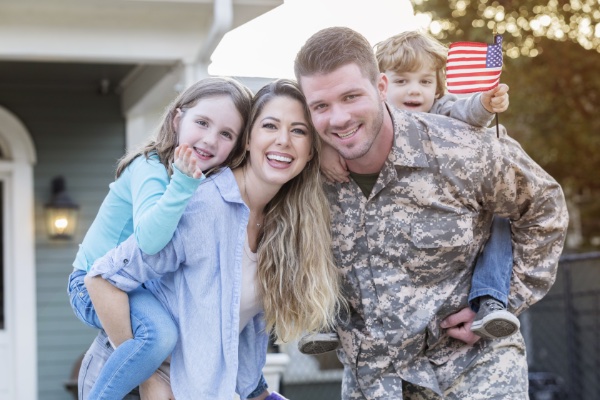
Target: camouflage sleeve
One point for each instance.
(521, 190)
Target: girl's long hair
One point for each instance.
(298, 280)
(167, 139)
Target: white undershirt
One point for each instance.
(250, 302)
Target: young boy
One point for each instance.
(414, 64)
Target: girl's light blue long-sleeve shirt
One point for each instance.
(197, 277)
(143, 201)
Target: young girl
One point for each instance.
(251, 255)
(200, 131)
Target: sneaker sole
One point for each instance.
(498, 325)
(318, 344)
(314, 348)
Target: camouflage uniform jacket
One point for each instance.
(407, 252)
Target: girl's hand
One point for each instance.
(333, 166)
(496, 99)
(186, 161)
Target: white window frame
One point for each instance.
(20, 335)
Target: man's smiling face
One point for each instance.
(346, 108)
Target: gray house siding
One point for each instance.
(78, 134)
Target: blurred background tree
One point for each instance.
(552, 65)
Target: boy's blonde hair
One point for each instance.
(409, 52)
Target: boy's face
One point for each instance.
(412, 91)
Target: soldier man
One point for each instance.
(409, 225)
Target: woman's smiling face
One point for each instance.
(280, 141)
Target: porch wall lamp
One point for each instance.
(61, 211)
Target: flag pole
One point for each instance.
(497, 128)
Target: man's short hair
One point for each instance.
(409, 52)
(332, 48)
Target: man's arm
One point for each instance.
(514, 186)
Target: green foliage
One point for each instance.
(554, 84)
(555, 111)
(522, 23)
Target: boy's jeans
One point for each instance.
(494, 266)
(135, 360)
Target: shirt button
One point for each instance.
(125, 261)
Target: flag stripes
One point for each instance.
(474, 67)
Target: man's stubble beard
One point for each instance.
(367, 144)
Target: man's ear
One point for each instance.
(382, 85)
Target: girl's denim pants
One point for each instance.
(135, 360)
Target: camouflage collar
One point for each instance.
(407, 149)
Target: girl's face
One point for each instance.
(412, 91)
(280, 141)
(211, 128)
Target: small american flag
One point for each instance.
(474, 67)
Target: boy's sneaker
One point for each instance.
(493, 321)
(319, 343)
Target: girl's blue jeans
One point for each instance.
(111, 374)
(135, 360)
(494, 266)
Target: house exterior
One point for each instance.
(80, 82)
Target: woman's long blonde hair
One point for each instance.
(298, 280)
(167, 138)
